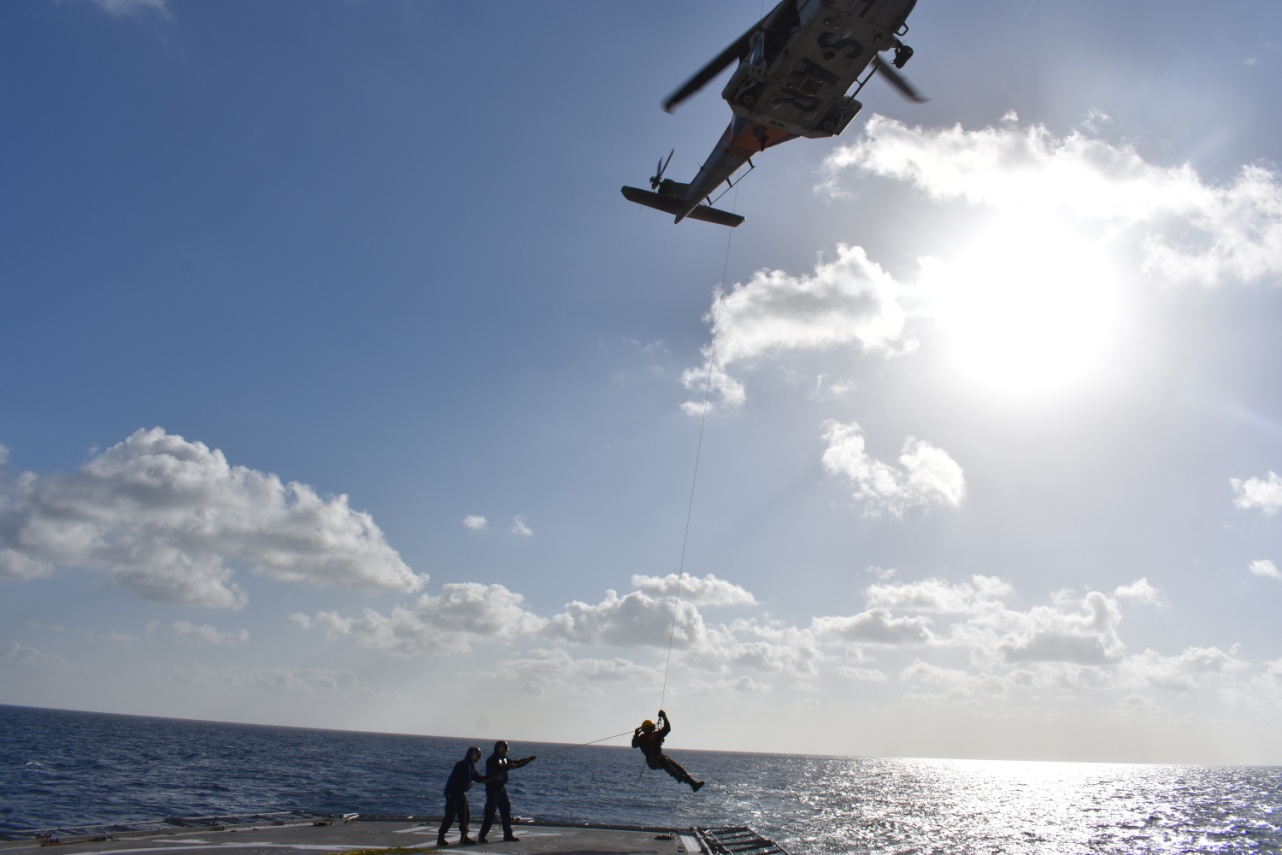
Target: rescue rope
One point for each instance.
(584, 744)
(694, 478)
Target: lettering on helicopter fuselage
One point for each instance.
(833, 46)
(792, 98)
(813, 76)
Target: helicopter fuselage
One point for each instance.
(797, 66)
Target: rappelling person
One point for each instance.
(650, 740)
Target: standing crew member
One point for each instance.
(650, 741)
(496, 769)
(456, 787)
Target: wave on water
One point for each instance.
(61, 769)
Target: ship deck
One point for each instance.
(358, 835)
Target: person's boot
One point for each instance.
(466, 841)
(695, 785)
(440, 842)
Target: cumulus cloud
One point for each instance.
(124, 8)
(1087, 636)
(20, 655)
(186, 631)
(706, 591)
(875, 626)
(1140, 590)
(1193, 232)
(940, 596)
(636, 619)
(475, 522)
(1262, 494)
(18, 566)
(172, 521)
(926, 475)
(520, 528)
(848, 302)
(1265, 567)
(766, 647)
(742, 685)
(464, 613)
(1180, 673)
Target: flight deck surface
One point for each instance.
(368, 836)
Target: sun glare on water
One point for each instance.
(1028, 308)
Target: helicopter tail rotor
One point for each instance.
(657, 178)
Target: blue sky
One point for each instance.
(343, 389)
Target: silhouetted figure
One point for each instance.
(650, 741)
(496, 768)
(456, 787)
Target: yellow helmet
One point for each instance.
(647, 725)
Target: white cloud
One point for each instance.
(875, 626)
(629, 621)
(862, 675)
(952, 680)
(1269, 683)
(708, 591)
(849, 302)
(1265, 567)
(1180, 673)
(18, 566)
(520, 528)
(171, 520)
(1194, 232)
(741, 685)
(1264, 494)
(1140, 590)
(464, 613)
(940, 596)
(768, 648)
(185, 630)
(124, 8)
(21, 656)
(927, 475)
(475, 522)
(1051, 634)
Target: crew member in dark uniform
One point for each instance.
(496, 768)
(650, 741)
(456, 787)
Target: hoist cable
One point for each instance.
(694, 479)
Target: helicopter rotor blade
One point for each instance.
(898, 81)
(736, 50)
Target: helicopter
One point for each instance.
(795, 67)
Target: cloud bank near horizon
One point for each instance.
(172, 521)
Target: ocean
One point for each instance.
(62, 769)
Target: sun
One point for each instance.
(1029, 308)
